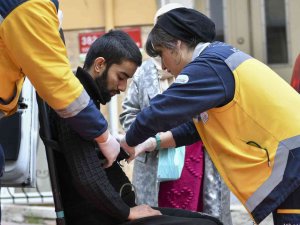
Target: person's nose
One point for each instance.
(122, 85)
(163, 65)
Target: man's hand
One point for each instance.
(110, 148)
(141, 211)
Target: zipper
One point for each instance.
(253, 143)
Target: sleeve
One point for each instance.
(206, 84)
(131, 106)
(185, 134)
(41, 55)
(81, 122)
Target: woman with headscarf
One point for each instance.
(244, 112)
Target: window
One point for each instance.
(217, 15)
(276, 35)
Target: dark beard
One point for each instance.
(102, 85)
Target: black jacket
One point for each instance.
(89, 193)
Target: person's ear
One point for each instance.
(176, 48)
(178, 45)
(99, 64)
(178, 52)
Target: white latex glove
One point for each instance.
(110, 149)
(147, 146)
(119, 137)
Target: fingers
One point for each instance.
(141, 211)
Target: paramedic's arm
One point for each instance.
(182, 135)
(42, 57)
(183, 101)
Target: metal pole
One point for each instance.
(46, 133)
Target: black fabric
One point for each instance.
(10, 135)
(2, 163)
(176, 217)
(292, 202)
(187, 24)
(90, 86)
(7, 6)
(89, 193)
(85, 183)
(289, 197)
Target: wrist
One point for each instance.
(103, 137)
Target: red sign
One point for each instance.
(135, 34)
(87, 39)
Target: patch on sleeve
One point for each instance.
(204, 117)
(181, 79)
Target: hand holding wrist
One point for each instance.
(110, 148)
(103, 137)
(127, 148)
(147, 146)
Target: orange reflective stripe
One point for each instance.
(288, 211)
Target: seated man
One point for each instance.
(91, 194)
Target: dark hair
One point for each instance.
(160, 38)
(114, 46)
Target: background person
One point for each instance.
(239, 118)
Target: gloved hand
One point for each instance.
(128, 149)
(147, 146)
(110, 149)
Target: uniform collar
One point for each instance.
(199, 48)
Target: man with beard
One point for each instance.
(91, 194)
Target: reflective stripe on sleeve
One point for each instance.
(75, 107)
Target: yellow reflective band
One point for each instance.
(288, 211)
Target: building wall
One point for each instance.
(90, 14)
(244, 25)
